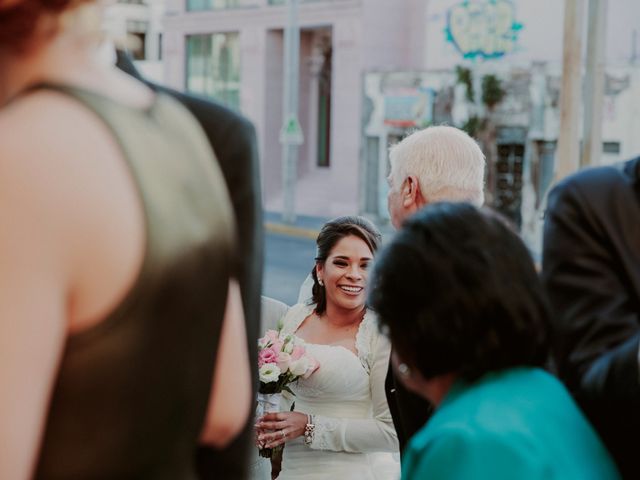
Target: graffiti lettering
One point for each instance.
(483, 29)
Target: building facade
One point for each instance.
(373, 70)
(232, 50)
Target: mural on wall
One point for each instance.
(483, 29)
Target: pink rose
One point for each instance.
(283, 361)
(271, 335)
(297, 352)
(268, 355)
(277, 345)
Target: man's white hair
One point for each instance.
(447, 162)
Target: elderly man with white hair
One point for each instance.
(436, 164)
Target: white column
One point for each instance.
(594, 84)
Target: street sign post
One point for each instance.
(291, 132)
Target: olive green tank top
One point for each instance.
(131, 393)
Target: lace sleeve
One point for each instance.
(366, 338)
(374, 434)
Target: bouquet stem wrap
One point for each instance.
(268, 403)
(282, 360)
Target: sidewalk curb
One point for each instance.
(291, 230)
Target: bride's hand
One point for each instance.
(277, 428)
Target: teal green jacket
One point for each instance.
(515, 424)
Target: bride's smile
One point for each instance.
(345, 273)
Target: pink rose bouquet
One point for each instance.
(282, 359)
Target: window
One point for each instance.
(324, 110)
(211, 4)
(137, 32)
(611, 147)
(139, 45)
(213, 67)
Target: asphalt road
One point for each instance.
(288, 261)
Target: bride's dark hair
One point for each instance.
(332, 232)
(20, 19)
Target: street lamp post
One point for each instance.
(291, 133)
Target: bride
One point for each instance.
(341, 426)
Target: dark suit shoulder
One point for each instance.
(589, 178)
(602, 176)
(596, 185)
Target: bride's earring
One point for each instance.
(404, 370)
(320, 282)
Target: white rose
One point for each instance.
(299, 367)
(269, 372)
(288, 344)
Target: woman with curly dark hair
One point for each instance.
(115, 243)
(468, 321)
(341, 426)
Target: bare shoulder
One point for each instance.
(49, 145)
(63, 178)
(59, 157)
(35, 221)
(43, 139)
(40, 122)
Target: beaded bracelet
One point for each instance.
(309, 430)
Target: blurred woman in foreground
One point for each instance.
(115, 240)
(469, 326)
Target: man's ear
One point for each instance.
(411, 194)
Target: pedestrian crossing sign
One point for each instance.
(291, 132)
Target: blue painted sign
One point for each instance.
(483, 29)
(408, 107)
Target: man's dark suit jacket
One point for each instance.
(591, 270)
(409, 411)
(233, 140)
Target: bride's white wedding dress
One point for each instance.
(354, 434)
